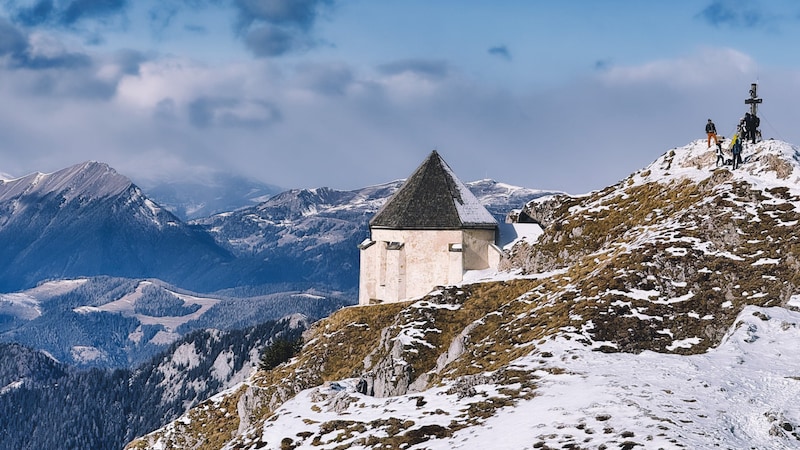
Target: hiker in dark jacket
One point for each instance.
(752, 122)
(742, 128)
(711, 131)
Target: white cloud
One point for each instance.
(181, 80)
(703, 67)
(344, 126)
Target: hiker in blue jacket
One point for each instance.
(736, 149)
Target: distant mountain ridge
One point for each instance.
(296, 215)
(88, 220)
(313, 233)
(88, 180)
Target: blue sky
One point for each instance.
(569, 95)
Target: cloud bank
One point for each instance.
(299, 121)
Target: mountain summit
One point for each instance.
(766, 164)
(660, 312)
(89, 180)
(89, 220)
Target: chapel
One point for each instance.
(428, 234)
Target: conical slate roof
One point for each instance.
(433, 198)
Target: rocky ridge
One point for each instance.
(679, 267)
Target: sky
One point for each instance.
(567, 95)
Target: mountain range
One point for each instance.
(311, 233)
(208, 194)
(88, 220)
(659, 312)
(100, 275)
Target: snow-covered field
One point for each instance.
(26, 305)
(126, 306)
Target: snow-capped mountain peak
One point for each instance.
(86, 220)
(90, 179)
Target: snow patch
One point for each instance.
(509, 234)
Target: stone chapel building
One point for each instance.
(428, 234)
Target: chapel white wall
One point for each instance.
(426, 259)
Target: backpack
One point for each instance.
(756, 121)
(733, 141)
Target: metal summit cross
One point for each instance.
(753, 101)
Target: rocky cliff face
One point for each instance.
(679, 259)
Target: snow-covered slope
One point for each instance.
(767, 164)
(739, 395)
(27, 305)
(656, 313)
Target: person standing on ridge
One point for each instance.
(756, 131)
(711, 131)
(745, 124)
(751, 122)
(736, 149)
(720, 155)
